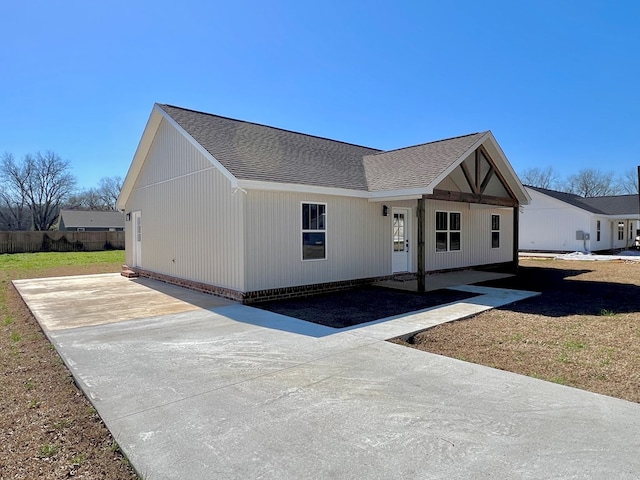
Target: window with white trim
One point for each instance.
(495, 231)
(447, 231)
(620, 230)
(314, 231)
(597, 230)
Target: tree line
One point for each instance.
(35, 189)
(588, 182)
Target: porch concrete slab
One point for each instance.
(439, 281)
(238, 392)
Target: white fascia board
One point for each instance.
(232, 179)
(397, 198)
(300, 188)
(139, 157)
(405, 194)
(342, 192)
(628, 216)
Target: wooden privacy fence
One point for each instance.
(54, 241)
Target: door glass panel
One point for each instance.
(398, 232)
(138, 229)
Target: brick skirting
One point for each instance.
(257, 295)
(284, 292)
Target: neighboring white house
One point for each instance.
(250, 212)
(563, 222)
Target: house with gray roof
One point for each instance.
(90, 221)
(250, 212)
(564, 222)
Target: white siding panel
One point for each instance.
(551, 225)
(192, 221)
(358, 240)
(172, 156)
(475, 236)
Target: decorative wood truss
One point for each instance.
(481, 175)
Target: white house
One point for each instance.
(249, 211)
(563, 222)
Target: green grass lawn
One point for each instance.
(28, 261)
(14, 266)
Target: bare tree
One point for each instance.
(540, 177)
(629, 181)
(109, 190)
(40, 182)
(89, 199)
(590, 182)
(103, 197)
(14, 210)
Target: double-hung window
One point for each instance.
(597, 230)
(620, 230)
(447, 231)
(314, 231)
(495, 231)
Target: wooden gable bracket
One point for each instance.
(478, 185)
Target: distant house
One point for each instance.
(563, 222)
(90, 221)
(249, 211)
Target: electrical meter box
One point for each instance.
(586, 236)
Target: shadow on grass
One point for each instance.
(361, 305)
(562, 296)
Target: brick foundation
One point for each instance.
(257, 295)
(279, 293)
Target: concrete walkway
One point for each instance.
(214, 391)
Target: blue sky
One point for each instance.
(558, 82)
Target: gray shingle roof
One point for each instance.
(257, 152)
(252, 151)
(91, 219)
(615, 204)
(609, 205)
(415, 167)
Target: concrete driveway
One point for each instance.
(196, 387)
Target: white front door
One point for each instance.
(137, 239)
(400, 258)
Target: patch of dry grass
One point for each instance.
(582, 331)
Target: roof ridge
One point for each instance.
(429, 143)
(269, 126)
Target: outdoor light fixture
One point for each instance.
(128, 217)
(385, 211)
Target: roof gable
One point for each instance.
(91, 219)
(251, 155)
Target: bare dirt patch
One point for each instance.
(48, 429)
(583, 331)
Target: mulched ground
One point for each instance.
(353, 307)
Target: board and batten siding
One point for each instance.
(548, 224)
(358, 240)
(192, 220)
(475, 236)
